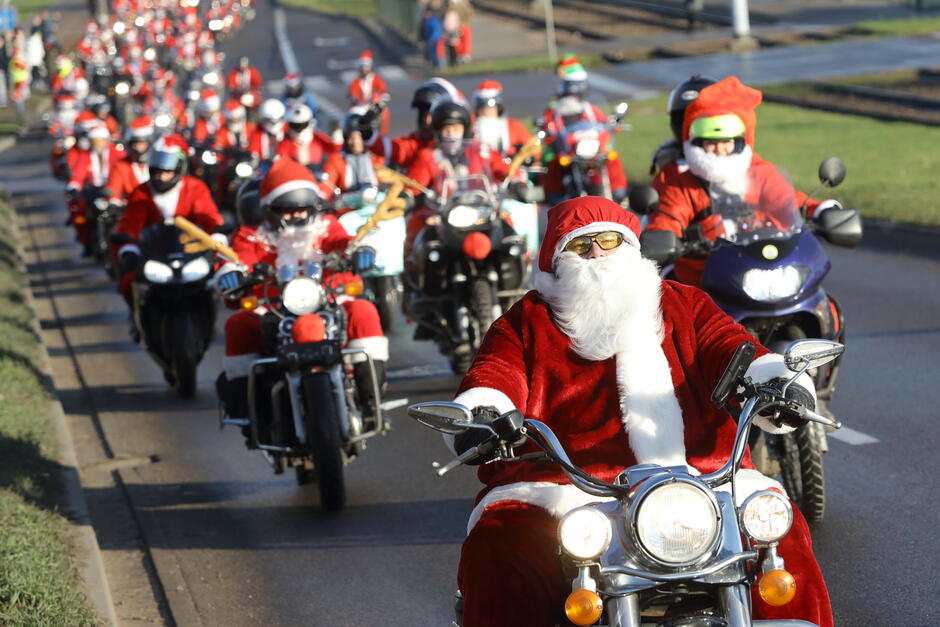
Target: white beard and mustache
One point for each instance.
(295, 244)
(728, 173)
(605, 306)
(489, 131)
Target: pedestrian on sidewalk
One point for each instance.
(693, 13)
(20, 79)
(431, 32)
(4, 77)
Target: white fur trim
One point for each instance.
(771, 366)
(376, 346)
(236, 366)
(168, 201)
(649, 408)
(289, 186)
(556, 499)
(597, 227)
(129, 248)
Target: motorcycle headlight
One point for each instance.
(162, 120)
(196, 269)
(584, 533)
(677, 522)
(122, 89)
(766, 516)
(215, 25)
(157, 272)
(210, 78)
(770, 286)
(463, 216)
(119, 28)
(209, 158)
(302, 296)
(588, 148)
(150, 54)
(243, 170)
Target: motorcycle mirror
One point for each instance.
(840, 226)
(643, 199)
(832, 172)
(736, 368)
(538, 121)
(450, 418)
(621, 110)
(806, 354)
(660, 246)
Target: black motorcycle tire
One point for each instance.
(325, 442)
(185, 357)
(386, 299)
(481, 304)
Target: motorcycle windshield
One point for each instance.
(161, 241)
(585, 139)
(768, 211)
(473, 190)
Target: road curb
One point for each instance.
(88, 556)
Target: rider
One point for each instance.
(572, 107)
(170, 192)
(353, 167)
(128, 173)
(368, 87)
(270, 130)
(295, 230)
(294, 93)
(668, 157)
(90, 170)
(492, 127)
(210, 119)
(244, 78)
(620, 365)
(303, 142)
(718, 144)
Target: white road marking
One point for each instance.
(622, 89)
(341, 64)
(851, 436)
(330, 42)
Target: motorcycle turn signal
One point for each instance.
(777, 587)
(583, 607)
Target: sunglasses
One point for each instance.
(606, 240)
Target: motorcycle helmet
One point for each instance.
(98, 103)
(680, 98)
(445, 113)
(272, 111)
(293, 85)
(299, 118)
(358, 119)
(572, 80)
(722, 126)
(168, 153)
(234, 111)
(243, 63)
(209, 102)
(141, 130)
(489, 94)
(248, 203)
(290, 195)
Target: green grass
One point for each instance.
(897, 28)
(26, 9)
(533, 63)
(352, 8)
(892, 166)
(38, 581)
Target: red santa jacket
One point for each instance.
(399, 151)
(241, 80)
(430, 168)
(126, 176)
(255, 244)
(204, 128)
(340, 175)
(512, 134)
(313, 153)
(90, 168)
(528, 361)
(263, 144)
(368, 89)
(190, 198)
(227, 139)
(683, 200)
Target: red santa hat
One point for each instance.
(234, 110)
(580, 216)
(168, 151)
(210, 100)
(728, 96)
(292, 79)
(141, 127)
(286, 175)
(99, 131)
(365, 59)
(488, 89)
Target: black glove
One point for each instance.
(409, 200)
(129, 261)
(797, 395)
(230, 282)
(471, 438)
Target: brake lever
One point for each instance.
(466, 456)
(812, 416)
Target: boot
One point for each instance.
(367, 400)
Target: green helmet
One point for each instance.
(725, 126)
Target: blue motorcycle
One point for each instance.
(766, 271)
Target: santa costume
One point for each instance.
(621, 385)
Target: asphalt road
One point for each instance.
(197, 530)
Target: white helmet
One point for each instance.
(300, 117)
(272, 110)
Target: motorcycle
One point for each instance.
(639, 559)
(240, 166)
(467, 266)
(305, 407)
(173, 303)
(766, 272)
(122, 99)
(204, 164)
(102, 215)
(387, 237)
(583, 150)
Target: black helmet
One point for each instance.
(162, 160)
(361, 120)
(248, 203)
(430, 92)
(680, 98)
(446, 112)
(304, 198)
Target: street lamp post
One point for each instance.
(741, 20)
(550, 30)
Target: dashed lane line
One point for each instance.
(853, 437)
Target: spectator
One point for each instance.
(20, 79)
(4, 65)
(35, 52)
(450, 43)
(431, 33)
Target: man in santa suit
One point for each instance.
(303, 143)
(210, 120)
(368, 87)
(492, 127)
(719, 166)
(620, 365)
(90, 169)
(244, 78)
(353, 168)
(132, 171)
(295, 230)
(236, 133)
(269, 132)
(170, 192)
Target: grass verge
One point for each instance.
(352, 8)
(26, 9)
(896, 28)
(39, 584)
(533, 63)
(892, 166)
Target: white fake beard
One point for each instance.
(607, 305)
(304, 137)
(728, 174)
(489, 131)
(295, 244)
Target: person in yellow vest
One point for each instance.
(19, 79)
